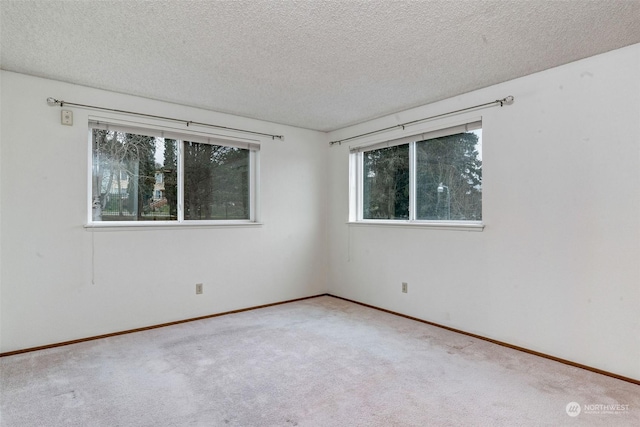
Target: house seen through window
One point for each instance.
(145, 176)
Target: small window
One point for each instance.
(143, 175)
(434, 177)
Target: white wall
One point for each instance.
(60, 281)
(557, 268)
(1, 241)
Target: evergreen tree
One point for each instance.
(216, 182)
(449, 178)
(386, 183)
(140, 161)
(170, 171)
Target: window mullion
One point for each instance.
(412, 181)
(253, 182)
(180, 179)
(360, 186)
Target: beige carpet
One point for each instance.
(317, 362)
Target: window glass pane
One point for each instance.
(386, 183)
(169, 176)
(449, 177)
(216, 182)
(130, 177)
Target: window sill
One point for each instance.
(435, 225)
(164, 225)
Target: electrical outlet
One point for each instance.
(405, 287)
(198, 288)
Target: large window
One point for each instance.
(148, 175)
(425, 178)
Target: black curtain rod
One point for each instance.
(53, 101)
(504, 101)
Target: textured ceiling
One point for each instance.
(315, 64)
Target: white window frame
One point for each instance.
(155, 128)
(356, 165)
